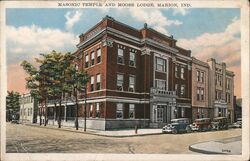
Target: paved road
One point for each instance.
(28, 139)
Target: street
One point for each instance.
(29, 139)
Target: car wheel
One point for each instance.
(174, 131)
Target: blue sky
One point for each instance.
(197, 22)
(206, 32)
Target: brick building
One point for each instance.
(137, 77)
(140, 77)
(200, 96)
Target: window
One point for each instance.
(228, 99)
(198, 94)
(202, 77)
(176, 89)
(119, 82)
(182, 72)
(132, 59)
(161, 84)
(182, 90)
(131, 83)
(91, 111)
(218, 80)
(120, 58)
(176, 71)
(218, 95)
(202, 94)
(119, 110)
(98, 82)
(92, 58)
(228, 83)
(99, 53)
(131, 111)
(160, 64)
(86, 61)
(198, 76)
(92, 83)
(97, 112)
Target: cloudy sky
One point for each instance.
(207, 32)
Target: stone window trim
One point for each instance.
(161, 84)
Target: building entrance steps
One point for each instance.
(230, 146)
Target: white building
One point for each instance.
(28, 109)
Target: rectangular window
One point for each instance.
(198, 76)
(176, 89)
(182, 73)
(160, 64)
(131, 111)
(202, 77)
(92, 83)
(228, 83)
(176, 71)
(97, 111)
(120, 58)
(86, 61)
(99, 53)
(98, 82)
(91, 111)
(202, 94)
(119, 111)
(132, 59)
(119, 82)
(198, 94)
(131, 83)
(182, 90)
(92, 58)
(161, 84)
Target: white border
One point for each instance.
(243, 4)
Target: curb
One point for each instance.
(90, 133)
(204, 151)
(191, 148)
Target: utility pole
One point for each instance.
(85, 103)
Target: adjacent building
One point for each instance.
(200, 93)
(28, 109)
(221, 89)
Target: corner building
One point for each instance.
(137, 77)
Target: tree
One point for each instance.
(76, 81)
(35, 83)
(12, 104)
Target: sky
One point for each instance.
(208, 33)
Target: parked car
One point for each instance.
(219, 123)
(238, 123)
(177, 126)
(202, 124)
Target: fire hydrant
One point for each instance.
(136, 129)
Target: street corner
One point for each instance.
(228, 146)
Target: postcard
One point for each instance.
(125, 80)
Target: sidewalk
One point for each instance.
(230, 146)
(110, 133)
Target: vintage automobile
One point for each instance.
(202, 124)
(177, 126)
(219, 123)
(238, 123)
